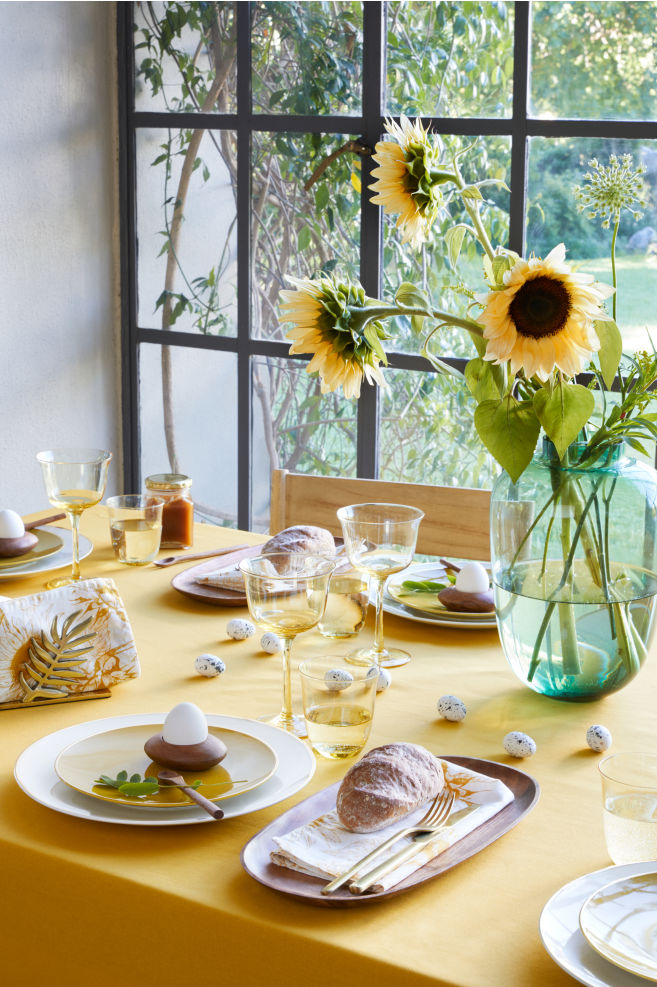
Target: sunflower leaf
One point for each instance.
(484, 380)
(454, 240)
(563, 413)
(471, 192)
(611, 348)
(410, 296)
(509, 429)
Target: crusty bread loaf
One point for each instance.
(306, 539)
(387, 784)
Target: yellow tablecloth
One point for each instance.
(87, 903)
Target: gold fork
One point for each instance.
(431, 821)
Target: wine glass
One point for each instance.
(286, 594)
(380, 539)
(74, 479)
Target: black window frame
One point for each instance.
(368, 126)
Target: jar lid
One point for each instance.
(168, 481)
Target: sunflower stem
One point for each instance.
(473, 212)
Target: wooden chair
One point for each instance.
(456, 521)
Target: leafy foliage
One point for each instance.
(135, 786)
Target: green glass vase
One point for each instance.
(574, 555)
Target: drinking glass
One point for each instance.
(75, 480)
(135, 523)
(338, 704)
(380, 539)
(286, 594)
(629, 806)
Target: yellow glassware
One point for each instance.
(286, 594)
(75, 480)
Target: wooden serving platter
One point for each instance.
(184, 581)
(256, 860)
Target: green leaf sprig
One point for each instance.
(135, 786)
(410, 586)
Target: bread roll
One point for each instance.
(306, 539)
(387, 784)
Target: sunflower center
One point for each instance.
(540, 308)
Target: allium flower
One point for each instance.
(543, 318)
(610, 188)
(409, 178)
(331, 322)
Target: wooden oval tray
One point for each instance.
(184, 581)
(256, 860)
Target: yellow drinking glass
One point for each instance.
(380, 539)
(75, 480)
(286, 594)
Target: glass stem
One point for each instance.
(74, 518)
(379, 646)
(286, 712)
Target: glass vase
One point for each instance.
(574, 571)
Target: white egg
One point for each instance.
(209, 665)
(519, 744)
(452, 708)
(185, 724)
(271, 643)
(598, 738)
(239, 629)
(11, 524)
(337, 679)
(472, 578)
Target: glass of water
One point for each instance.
(338, 704)
(629, 801)
(135, 527)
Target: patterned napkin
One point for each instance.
(105, 645)
(324, 848)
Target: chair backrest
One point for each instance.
(456, 521)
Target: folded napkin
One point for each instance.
(324, 848)
(228, 578)
(72, 656)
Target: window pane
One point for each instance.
(187, 271)
(430, 268)
(307, 57)
(427, 435)
(296, 232)
(191, 394)
(185, 57)
(296, 427)
(450, 59)
(556, 166)
(594, 60)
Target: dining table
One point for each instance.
(91, 902)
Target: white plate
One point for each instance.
(562, 938)
(58, 560)
(431, 570)
(35, 773)
(619, 922)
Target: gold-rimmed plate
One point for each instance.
(426, 607)
(619, 921)
(249, 763)
(47, 544)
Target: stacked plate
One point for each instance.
(425, 607)
(263, 766)
(53, 550)
(602, 927)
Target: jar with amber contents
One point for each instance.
(178, 510)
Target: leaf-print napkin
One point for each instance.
(112, 655)
(324, 848)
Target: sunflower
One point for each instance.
(408, 179)
(331, 322)
(543, 317)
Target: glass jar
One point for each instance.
(178, 510)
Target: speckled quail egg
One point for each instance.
(337, 679)
(209, 665)
(598, 738)
(452, 708)
(384, 681)
(271, 643)
(519, 744)
(239, 629)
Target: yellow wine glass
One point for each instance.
(75, 480)
(286, 594)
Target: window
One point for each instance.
(227, 112)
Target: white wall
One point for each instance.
(59, 310)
